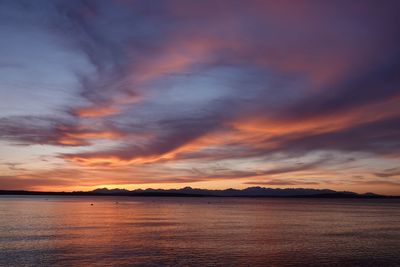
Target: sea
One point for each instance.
(198, 231)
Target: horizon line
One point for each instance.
(193, 188)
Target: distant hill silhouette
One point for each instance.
(195, 192)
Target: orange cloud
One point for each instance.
(71, 142)
(318, 123)
(109, 160)
(94, 135)
(95, 111)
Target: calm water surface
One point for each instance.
(69, 231)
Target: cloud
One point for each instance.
(379, 137)
(18, 183)
(125, 67)
(283, 182)
(388, 173)
(380, 182)
(197, 82)
(28, 130)
(370, 86)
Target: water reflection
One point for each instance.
(198, 231)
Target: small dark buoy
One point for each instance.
(116, 202)
(91, 204)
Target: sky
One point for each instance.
(207, 94)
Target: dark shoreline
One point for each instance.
(167, 194)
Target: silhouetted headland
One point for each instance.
(194, 192)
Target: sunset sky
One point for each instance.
(207, 94)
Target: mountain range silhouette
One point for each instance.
(196, 192)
